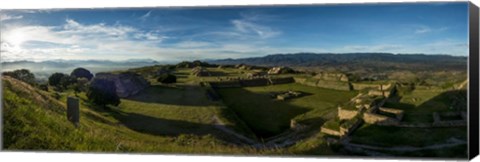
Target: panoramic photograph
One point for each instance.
(331, 80)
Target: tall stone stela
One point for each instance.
(73, 110)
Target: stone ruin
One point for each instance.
(200, 71)
(282, 96)
(439, 119)
(337, 81)
(363, 108)
(73, 110)
(126, 84)
(280, 70)
(332, 76)
(257, 74)
(383, 90)
(242, 82)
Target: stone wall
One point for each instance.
(254, 82)
(226, 84)
(346, 114)
(347, 130)
(287, 80)
(337, 85)
(372, 118)
(398, 113)
(330, 131)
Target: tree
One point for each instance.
(80, 85)
(55, 78)
(61, 81)
(22, 75)
(81, 73)
(103, 92)
(167, 78)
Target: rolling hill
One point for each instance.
(379, 62)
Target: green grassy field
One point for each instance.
(35, 121)
(267, 116)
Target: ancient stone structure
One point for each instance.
(127, 84)
(239, 82)
(372, 118)
(286, 95)
(73, 110)
(280, 70)
(257, 74)
(254, 82)
(438, 120)
(346, 114)
(383, 90)
(332, 76)
(286, 80)
(398, 113)
(330, 131)
(324, 84)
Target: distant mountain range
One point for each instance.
(354, 61)
(44, 68)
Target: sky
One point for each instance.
(189, 33)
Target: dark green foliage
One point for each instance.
(80, 85)
(81, 73)
(23, 75)
(43, 87)
(55, 78)
(103, 92)
(61, 81)
(167, 78)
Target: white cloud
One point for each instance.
(421, 29)
(144, 17)
(76, 40)
(248, 27)
(5, 17)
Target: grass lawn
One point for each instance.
(267, 116)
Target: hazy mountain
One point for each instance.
(45, 68)
(354, 61)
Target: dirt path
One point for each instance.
(221, 126)
(449, 143)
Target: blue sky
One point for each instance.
(175, 34)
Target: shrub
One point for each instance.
(23, 75)
(103, 92)
(80, 85)
(167, 78)
(61, 81)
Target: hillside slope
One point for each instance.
(32, 120)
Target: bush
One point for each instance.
(80, 85)
(167, 78)
(22, 75)
(103, 92)
(60, 80)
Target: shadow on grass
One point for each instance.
(157, 126)
(264, 115)
(182, 95)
